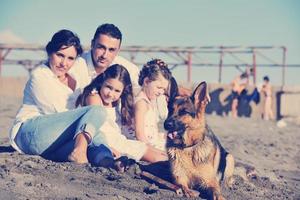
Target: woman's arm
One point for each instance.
(42, 88)
(141, 108)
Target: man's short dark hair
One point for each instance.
(110, 30)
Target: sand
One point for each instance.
(272, 151)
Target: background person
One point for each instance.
(239, 85)
(267, 91)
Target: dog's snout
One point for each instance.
(169, 124)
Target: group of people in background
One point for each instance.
(83, 106)
(239, 90)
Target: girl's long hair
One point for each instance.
(119, 72)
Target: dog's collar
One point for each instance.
(191, 146)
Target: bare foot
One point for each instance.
(78, 157)
(79, 153)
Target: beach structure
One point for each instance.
(221, 57)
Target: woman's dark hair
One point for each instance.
(64, 38)
(116, 72)
(152, 69)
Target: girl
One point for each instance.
(113, 89)
(154, 79)
(47, 120)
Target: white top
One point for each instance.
(115, 139)
(155, 137)
(86, 59)
(45, 94)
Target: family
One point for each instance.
(93, 106)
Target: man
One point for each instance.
(105, 47)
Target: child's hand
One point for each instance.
(116, 153)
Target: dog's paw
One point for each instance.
(229, 182)
(190, 193)
(220, 198)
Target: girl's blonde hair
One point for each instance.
(152, 69)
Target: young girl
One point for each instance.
(113, 89)
(154, 79)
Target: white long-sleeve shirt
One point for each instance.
(45, 94)
(86, 60)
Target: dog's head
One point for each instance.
(186, 123)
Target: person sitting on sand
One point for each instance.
(154, 79)
(47, 119)
(113, 89)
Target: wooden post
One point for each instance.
(189, 68)
(221, 64)
(1, 62)
(283, 66)
(254, 65)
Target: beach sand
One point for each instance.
(272, 151)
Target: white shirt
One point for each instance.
(115, 139)
(86, 59)
(45, 94)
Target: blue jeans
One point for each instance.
(54, 133)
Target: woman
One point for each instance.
(47, 120)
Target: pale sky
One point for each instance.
(166, 23)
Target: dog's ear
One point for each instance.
(200, 95)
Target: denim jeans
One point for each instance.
(45, 135)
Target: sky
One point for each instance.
(165, 23)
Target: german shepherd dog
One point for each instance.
(195, 154)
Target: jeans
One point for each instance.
(54, 133)
(100, 156)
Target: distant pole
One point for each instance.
(283, 65)
(189, 68)
(221, 64)
(1, 62)
(254, 65)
